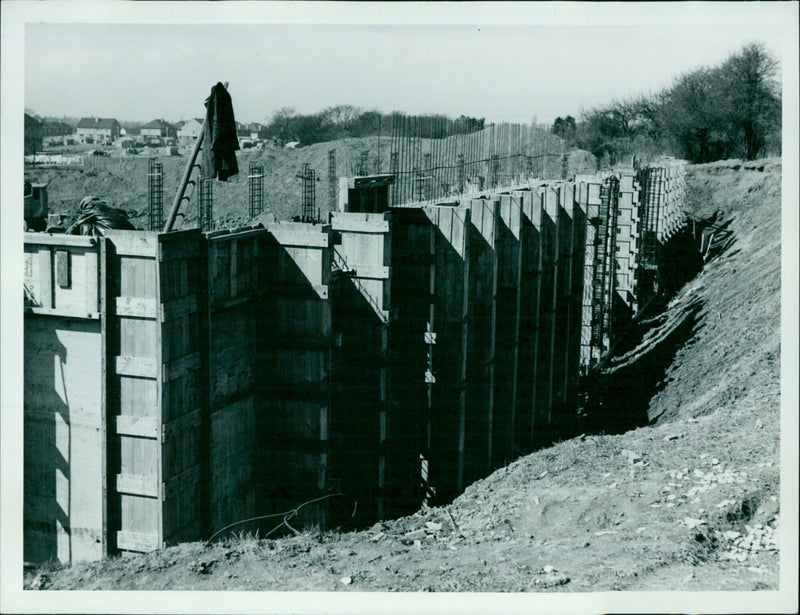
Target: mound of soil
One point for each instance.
(122, 181)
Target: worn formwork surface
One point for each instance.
(233, 373)
(370, 433)
(294, 333)
(64, 422)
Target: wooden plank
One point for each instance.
(70, 312)
(142, 367)
(133, 243)
(358, 223)
(300, 238)
(178, 250)
(185, 422)
(179, 367)
(45, 278)
(137, 541)
(59, 239)
(233, 261)
(243, 233)
(101, 263)
(63, 278)
(91, 280)
(135, 306)
(178, 307)
(133, 484)
(140, 426)
(180, 482)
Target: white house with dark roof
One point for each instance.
(158, 129)
(190, 130)
(98, 129)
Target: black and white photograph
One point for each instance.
(330, 307)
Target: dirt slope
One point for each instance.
(122, 180)
(688, 503)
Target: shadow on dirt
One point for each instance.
(618, 394)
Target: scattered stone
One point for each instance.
(413, 535)
(699, 473)
(40, 581)
(633, 458)
(671, 437)
(692, 523)
(703, 455)
(346, 580)
(548, 569)
(731, 534)
(759, 424)
(433, 526)
(376, 537)
(418, 544)
(671, 497)
(715, 461)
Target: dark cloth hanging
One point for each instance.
(219, 140)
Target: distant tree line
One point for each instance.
(729, 111)
(348, 121)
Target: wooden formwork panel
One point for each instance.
(563, 275)
(484, 236)
(509, 270)
(295, 335)
(154, 341)
(530, 287)
(451, 325)
(547, 312)
(62, 275)
(413, 338)
(232, 378)
(576, 292)
(373, 433)
(64, 440)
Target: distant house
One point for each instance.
(256, 130)
(56, 132)
(190, 130)
(158, 129)
(96, 129)
(34, 137)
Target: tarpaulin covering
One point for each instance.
(97, 216)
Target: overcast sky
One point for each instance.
(500, 72)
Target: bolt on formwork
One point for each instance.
(309, 195)
(332, 179)
(206, 204)
(255, 182)
(155, 195)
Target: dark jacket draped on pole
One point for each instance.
(219, 141)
